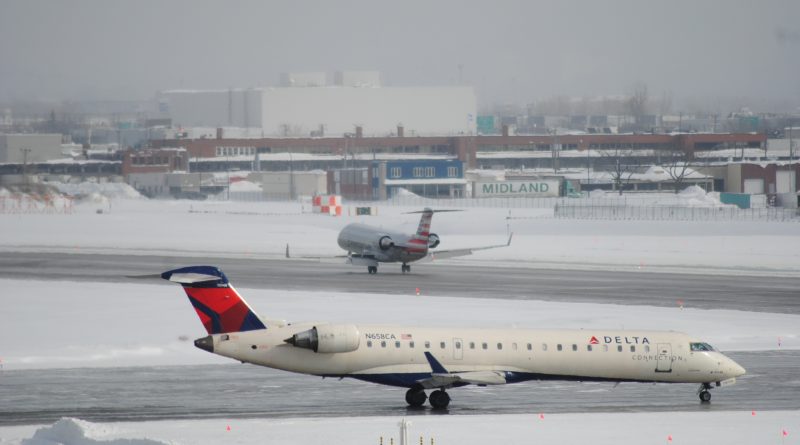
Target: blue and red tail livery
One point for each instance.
(217, 303)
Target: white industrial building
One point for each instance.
(304, 108)
(21, 148)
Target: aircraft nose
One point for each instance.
(734, 369)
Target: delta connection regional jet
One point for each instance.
(438, 359)
(368, 245)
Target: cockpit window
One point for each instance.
(700, 347)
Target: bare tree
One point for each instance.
(621, 163)
(637, 103)
(676, 163)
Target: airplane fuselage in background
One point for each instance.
(381, 245)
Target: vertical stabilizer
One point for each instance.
(221, 309)
(424, 229)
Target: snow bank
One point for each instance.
(245, 186)
(679, 428)
(69, 431)
(112, 190)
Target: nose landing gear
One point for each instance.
(405, 268)
(703, 393)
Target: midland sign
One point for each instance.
(535, 188)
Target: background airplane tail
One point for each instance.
(424, 229)
(221, 309)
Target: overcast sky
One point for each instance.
(511, 51)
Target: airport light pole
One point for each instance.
(25, 152)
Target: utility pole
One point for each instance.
(25, 152)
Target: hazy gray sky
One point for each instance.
(511, 51)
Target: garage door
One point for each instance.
(785, 181)
(754, 186)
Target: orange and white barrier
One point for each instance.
(327, 204)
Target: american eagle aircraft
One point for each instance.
(368, 245)
(437, 359)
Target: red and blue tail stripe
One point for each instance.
(221, 309)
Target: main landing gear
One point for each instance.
(703, 392)
(372, 270)
(405, 268)
(439, 399)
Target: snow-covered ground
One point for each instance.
(696, 428)
(55, 324)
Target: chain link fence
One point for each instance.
(672, 213)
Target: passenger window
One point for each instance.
(441, 345)
(574, 347)
(544, 346)
(558, 346)
(588, 347)
(484, 345)
(646, 348)
(499, 346)
(514, 346)
(530, 347)
(472, 345)
(427, 345)
(383, 344)
(411, 344)
(369, 343)
(605, 348)
(458, 345)
(397, 344)
(633, 348)
(619, 348)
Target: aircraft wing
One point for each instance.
(470, 377)
(444, 254)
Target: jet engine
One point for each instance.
(385, 243)
(433, 241)
(327, 338)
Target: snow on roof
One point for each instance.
(286, 156)
(440, 181)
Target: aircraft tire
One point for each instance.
(415, 397)
(705, 396)
(439, 399)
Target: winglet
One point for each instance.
(436, 367)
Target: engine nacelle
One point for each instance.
(433, 241)
(385, 243)
(327, 338)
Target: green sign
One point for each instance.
(486, 125)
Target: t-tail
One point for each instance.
(221, 309)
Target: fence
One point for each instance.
(39, 204)
(672, 213)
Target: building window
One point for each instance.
(418, 172)
(452, 172)
(395, 172)
(430, 172)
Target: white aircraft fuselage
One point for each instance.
(395, 355)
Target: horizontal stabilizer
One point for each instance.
(191, 278)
